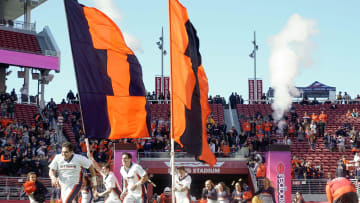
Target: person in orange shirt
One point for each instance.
(341, 190)
(260, 173)
(294, 161)
(314, 117)
(323, 116)
(348, 114)
(166, 196)
(291, 129)
(83, 146)
(246, 127)
(267, 129)
(260, 135)
(259, 126)
(225, 149)
(5, 161)
(5, 121)
(322, 123)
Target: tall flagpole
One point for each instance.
(172, 153)
(77, 86)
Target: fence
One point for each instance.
(238, 154)
(310, 186)
(11, 187)
(19, 25)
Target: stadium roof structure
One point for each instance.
(318, 90)
(12, 9)
(315, 89)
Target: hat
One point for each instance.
(167, 190)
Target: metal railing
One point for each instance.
(11, 187)
(160, 155)
(310, 186)
(19, 25)
(271, 100)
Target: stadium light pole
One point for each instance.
(253, 55)
(163, 52)
(27, 17)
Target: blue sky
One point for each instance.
(225, 29)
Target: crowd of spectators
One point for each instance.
(34, 144)
(216, 100)
(302, 169)
(26, 147)
(158, 98)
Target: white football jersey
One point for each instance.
(86, 195)
(110, 181)
(70, 172)
(180, 183)
(132, 176)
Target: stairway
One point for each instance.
(231, 118)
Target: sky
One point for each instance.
(226, 30)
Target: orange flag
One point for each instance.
(189, 86)
(109, 76)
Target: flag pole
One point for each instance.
(77, 87)
(172, 153)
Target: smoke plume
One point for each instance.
(290, 50)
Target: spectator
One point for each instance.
(348, 114)
(339, 98)
(341, 142)
(70, 97)
(63, 101)
(306, 117)
(355, 113)
(298, 198)
(326, 140)
(346, 98)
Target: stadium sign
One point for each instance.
(195, 167)
(281, 187)
(278, 170)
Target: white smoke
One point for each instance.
(133, 42)
(290, 49)
(110, 9)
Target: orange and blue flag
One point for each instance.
(189, 86)
(108, 74)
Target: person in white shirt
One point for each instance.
(356, 159)
(112, 187)
(182, 185)
(133, 177)
(69, 166)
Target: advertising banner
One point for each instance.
(278, 170)
(194, 167)
(259, 88)
(157, 85)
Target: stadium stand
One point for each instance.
(217, 113)
(19, 41)
(26, 113)
(321, 156)
(67, 127)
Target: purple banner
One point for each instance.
(29, 60)
(278, 170)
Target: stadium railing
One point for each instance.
(310, 186)
(18, 25)
(160, 155)
(11, 187)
